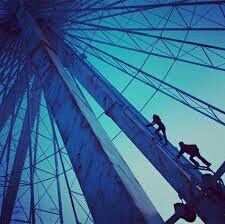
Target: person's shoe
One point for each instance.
(196, 164)
(208, 165)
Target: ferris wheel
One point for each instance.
(79, 82)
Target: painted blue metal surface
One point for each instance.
(184, 179)
(111, 191)
(16, 92)
(21, 152)
(220, 172)
(88, 145)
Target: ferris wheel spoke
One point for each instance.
(8, 144)
(15, 93)
(179, 57)
(135, 8)
(148, 35)
(80, 48)
(178, 95)
(94, 11)
(222, 10)
(165, 56)
(17, 167)
(127, 11)
(117, 57)
(147, 15)
(168, 55)
(136, 30)
(138, 48)
(184, 94)
(63, 166)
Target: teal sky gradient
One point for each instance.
(183, 124)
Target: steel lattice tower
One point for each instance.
(58, 162)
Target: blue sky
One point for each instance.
(183, 124)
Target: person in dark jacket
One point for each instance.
(161, 127)
(193, 151)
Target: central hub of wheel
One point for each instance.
(11, 26)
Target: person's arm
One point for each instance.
(151, 124)
(180, 154)
(196, 147)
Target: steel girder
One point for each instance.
(21, 152)
(15, 93)
(111, 190)
(187, 182)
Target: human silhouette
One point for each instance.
(193, 151)
(161, 127)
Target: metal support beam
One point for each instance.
(31, 122)
(57, 172)
(186, 181)
(16, 92)
(99, 168)
(21, 152)
(56, 144)
(111, 191)
(9, 137)
(220, 172)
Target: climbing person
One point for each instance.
(193, 151)
(161, 127)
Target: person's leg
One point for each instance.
(157, 132)
(194, 161)
(204, 160)
(164, 134)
